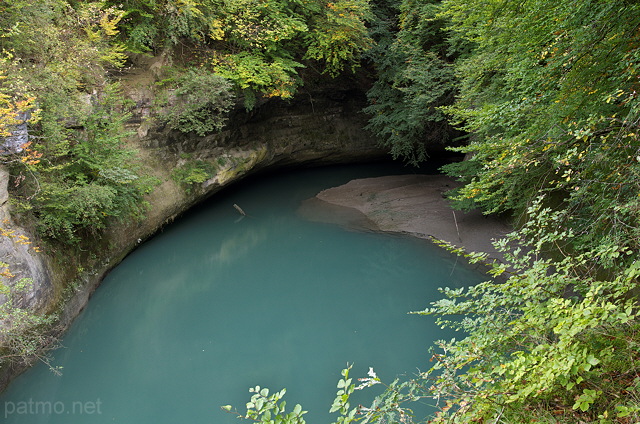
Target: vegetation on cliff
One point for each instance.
(59, 62)
(260, 46)
(74, 174)
(546, 94)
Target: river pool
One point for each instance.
(217, 303)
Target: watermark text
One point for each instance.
(37, 407)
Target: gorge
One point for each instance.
(120, 117)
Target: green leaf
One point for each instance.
(592, 360)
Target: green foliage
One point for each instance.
(266, 42)
(260, 26)
(256, 73)
(23, 336)
(87, 178)
(549, 336)
(265, 408)
(203, 100)
(552, 107)
(193, 172)
(41, 35)
(37, 40)
(415, 78)
(75, 174)
(340, 35)
(551, 319)
(56, 56)
(341, 402)
(149, 25)
(257, 44)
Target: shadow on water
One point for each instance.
(216, 304)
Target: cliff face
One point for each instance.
(313, 129)
(22, 260)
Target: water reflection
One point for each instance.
(240, 244)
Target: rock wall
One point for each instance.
(17, 251)
(312, 129)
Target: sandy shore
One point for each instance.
(408, 204)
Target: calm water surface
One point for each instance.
(216, 304)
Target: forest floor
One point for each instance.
(406, 204)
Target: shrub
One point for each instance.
(203, 100)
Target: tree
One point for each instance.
(266, 42)
(415, 77)
(203, 100)
(340, 36)
(81, 189)
(552, 107)
(152, 25)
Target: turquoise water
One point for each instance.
(215, 304)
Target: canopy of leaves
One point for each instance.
(548, 93)
(203, 99)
